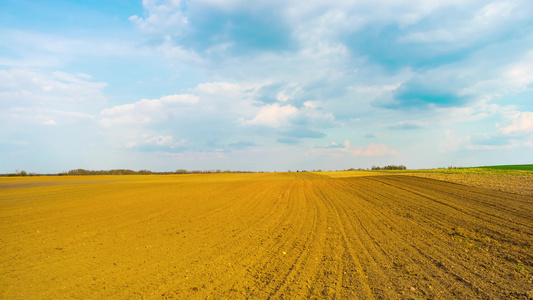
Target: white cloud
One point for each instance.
(521, 122)
(179, 53)
(318, 27)
(495, 11)
(447, 116)
(520, 75)
(144, 111)
(483, 22)
(274, 115)
(25, 87)
(287, 94)
(283, 97)
(314, 116)
(311, 104)
(346, 145)
(161, 17)
(206, 117)
(325, 18)
(38, 97)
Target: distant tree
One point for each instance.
(390, 167)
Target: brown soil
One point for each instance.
(264, 236)
(511, 184)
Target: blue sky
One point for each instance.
(264, 85)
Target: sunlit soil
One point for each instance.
(258, 236)
(511, 184)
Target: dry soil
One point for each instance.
(259, 236)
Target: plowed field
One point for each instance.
(290, 236)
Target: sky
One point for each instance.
(264, 85)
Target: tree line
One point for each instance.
(390, 167)
(80, 172)
(144, 172)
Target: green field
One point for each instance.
(511, 167)
(512, 170)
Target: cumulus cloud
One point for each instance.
(161, 17)
(179, 53)
(271, 92)
(207, 116)
(311, 104)
(209, 27)
(274, 115)
(144, 111)
(521, 122)
(288, 93)
(308, 120)
(282, 26)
